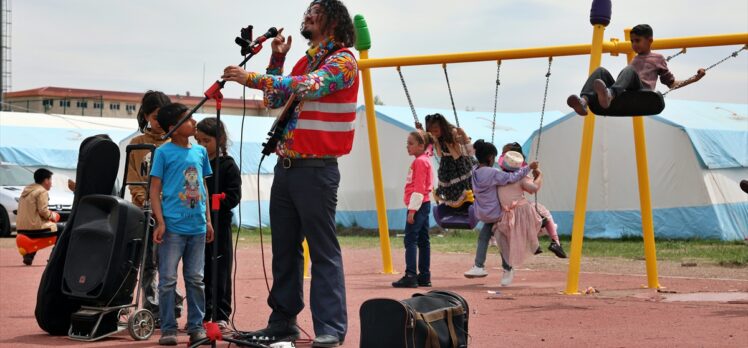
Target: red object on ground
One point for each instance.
(28, 245)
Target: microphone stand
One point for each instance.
(214, 92)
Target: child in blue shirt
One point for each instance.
(179, 200)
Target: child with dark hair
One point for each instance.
(138, 170)
(34, 217)
(485, 181)
(418, 185)
(547, 223)
(641, 74)
(211, 134)
(452, 146)
(183, 223)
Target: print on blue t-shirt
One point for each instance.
(183, 194)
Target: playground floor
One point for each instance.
(701, 306)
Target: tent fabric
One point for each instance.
(697, 155)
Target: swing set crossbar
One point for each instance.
(612, 46)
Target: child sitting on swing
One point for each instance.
(547, 222)
(641, 74)
(452, 146)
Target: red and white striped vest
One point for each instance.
(325, 126)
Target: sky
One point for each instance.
(180, 46)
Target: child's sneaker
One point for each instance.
(557, 249)
(476, 272)
(578, 104)
(604, 96)
(168, 339)
(407, 281)
(506, 279)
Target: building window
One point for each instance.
(98, 105)
(82, 104)
(130, 107)
(47, 103)
(114, 106)
(65, 103)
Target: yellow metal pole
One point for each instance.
(306, 259)
(610, 46)
(645, 197)
(583, 177)
(363, 43)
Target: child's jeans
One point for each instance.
(482, 248)
(417, 241)
(628, 80)
(191, 249)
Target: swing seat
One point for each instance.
(461, 218)
(631, 103)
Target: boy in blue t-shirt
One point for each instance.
(179, 200)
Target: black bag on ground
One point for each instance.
(98, 161)
(437, 319)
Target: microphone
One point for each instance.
(245, 43)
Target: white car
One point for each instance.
(13, 179)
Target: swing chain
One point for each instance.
(446, 75)
(407, 95)
(496, 99)
(732, 55)
(683, 50)
(542, 111)
(542, 115)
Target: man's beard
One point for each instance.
(307, 34)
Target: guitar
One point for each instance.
(279, 126)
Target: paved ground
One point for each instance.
(703, 306)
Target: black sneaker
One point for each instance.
(28, 258)
(199, 337)
(276, 331)
(424, 280)
(538, 251)
(407, 281)
(557, 249)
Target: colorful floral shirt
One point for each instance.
(338, 73)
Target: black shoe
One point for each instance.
(28, 258)
(276, 331)
(424, 280)
(407, 281)
(744, 185)
(538, 251)
(326, 341)
(199, 337)
(557, 249)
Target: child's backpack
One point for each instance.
(437, 319)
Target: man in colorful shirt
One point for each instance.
(303, 197)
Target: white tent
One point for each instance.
(697, 151)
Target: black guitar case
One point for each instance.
(98, 162)
(631, 103)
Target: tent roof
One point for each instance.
(718, 131)
(31, 139)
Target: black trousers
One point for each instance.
(302, 204)
(627, 80)
(225, 262)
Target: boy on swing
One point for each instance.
(641, 74)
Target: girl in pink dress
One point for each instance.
(520, 222)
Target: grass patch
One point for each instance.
(726, 254)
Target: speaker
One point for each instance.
(106, 246)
